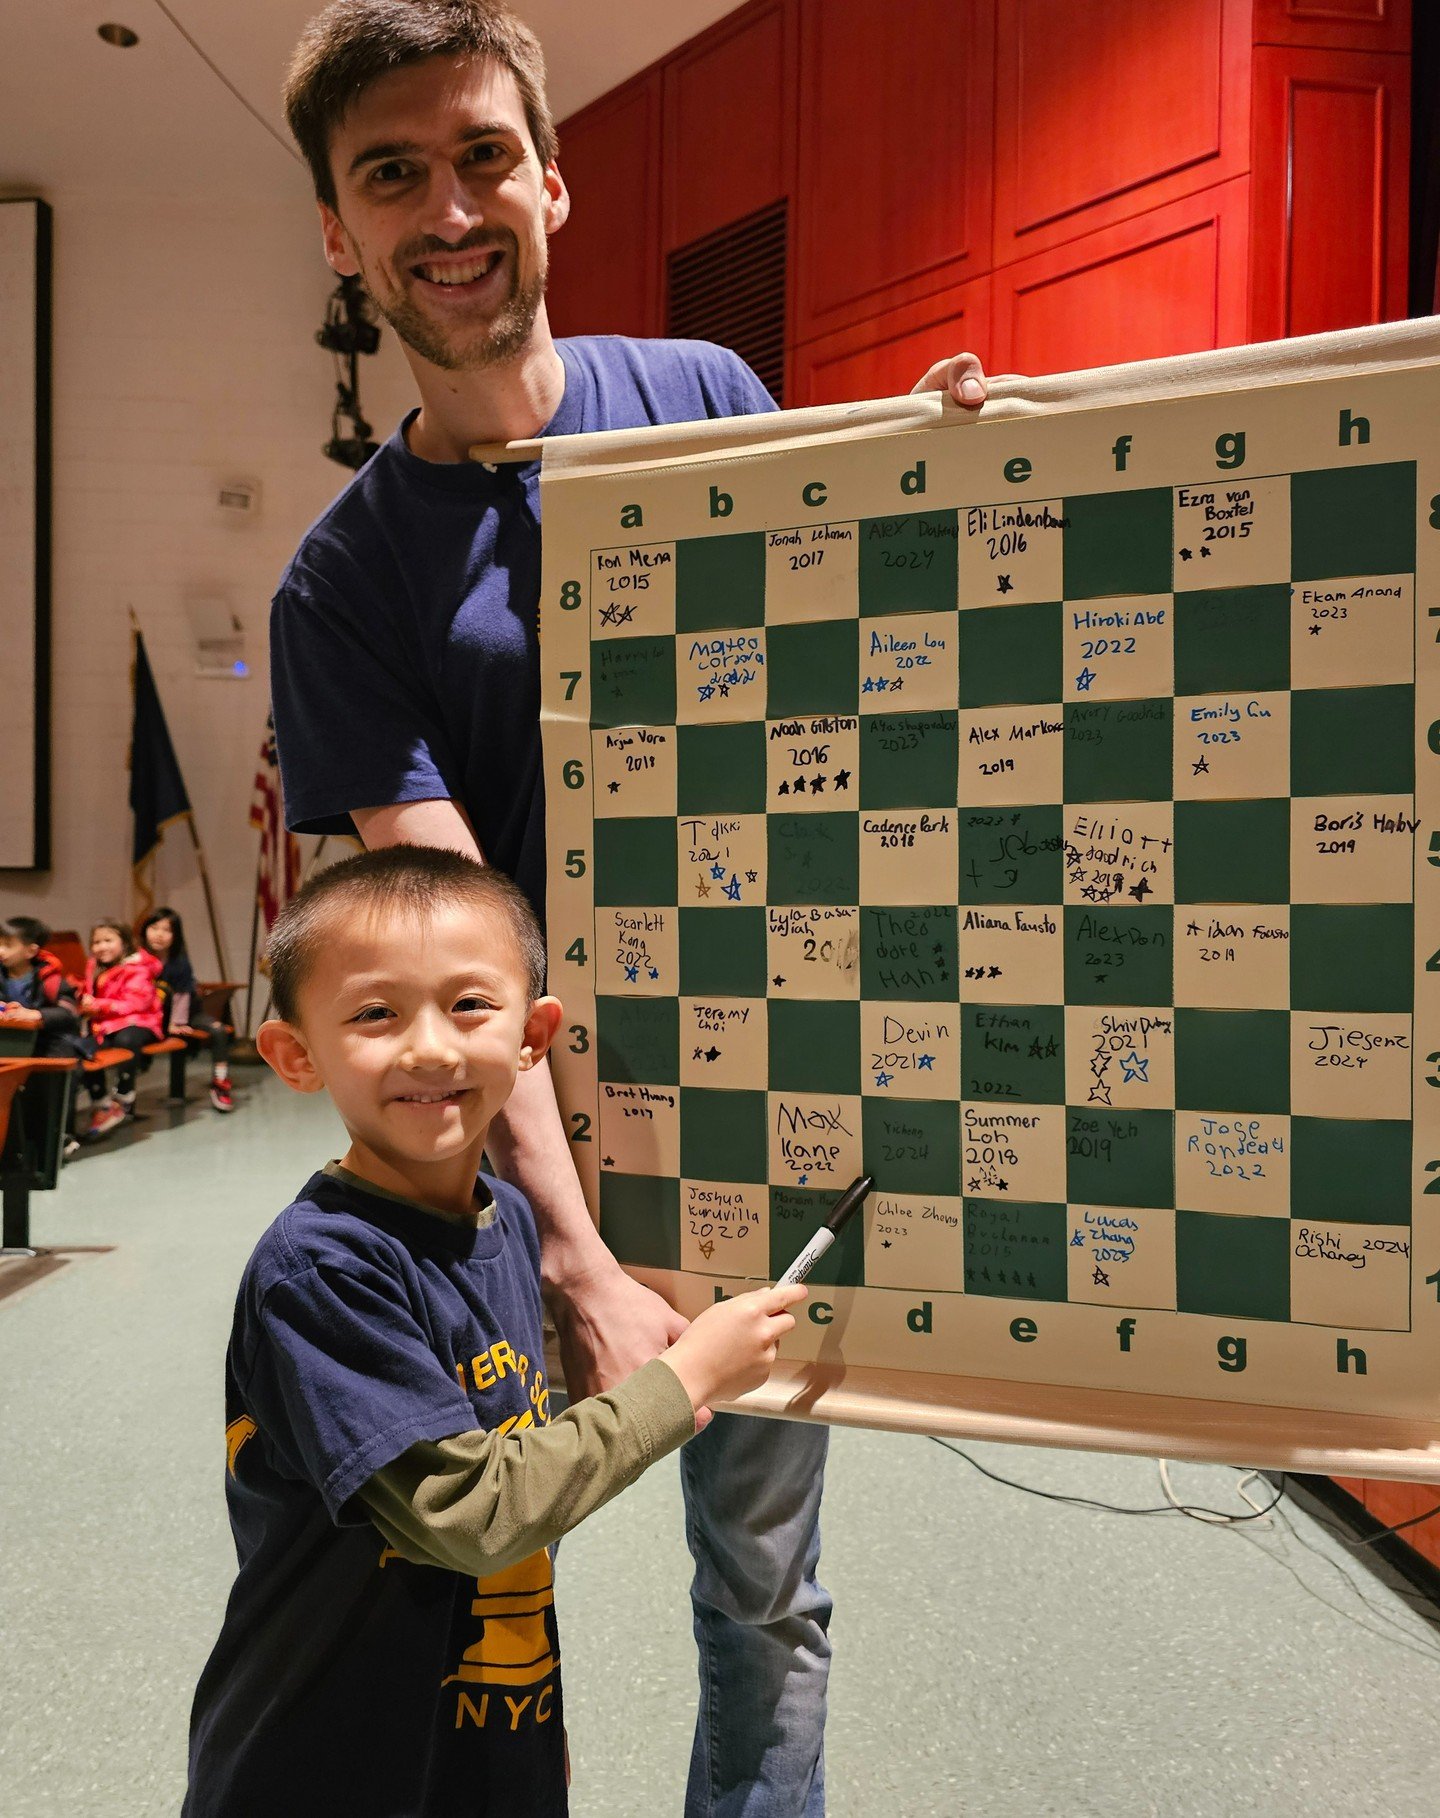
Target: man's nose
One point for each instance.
(430, 1042)
(450, 211)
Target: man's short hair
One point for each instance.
(355, 42)
(408, 882)
(25, 928)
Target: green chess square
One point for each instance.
(912, 1145)
(1232, 852)
(1352, 956)
(722, 1135)
(907, 955)
(1232, 1268)
(720, 769)
(812, 668)
(796, 1214)
(814, 1046)
(813, 858)
(1232, 1060)
(1352, 1170)
(909, 760)
(637, 1041)
(1232, 637)
(720, 582)
(722, 952)
(1011, 654)
(1014, 1052)
(1119, 751)
(1119, 956)
(632, 682)
(1353, 741)
(1119, 1158)
(1012, 855)
(1118, 542)
(909, 563)
(1352, 521)
(640, 1219)
(1014, 1250)
(636, 862)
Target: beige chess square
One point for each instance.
(1230, 747)
(914, 1240)
(719, 676)
(1013, 1151)
(1121, 1256)
(1352, 848)
(634, 771)
(813, 950)
(812, 571)
(641, 940)
(1344, 1064)
(908, 855)
(909, 1050)
(732, 844)
(632, 591)
(1232, 956)
(1353, 1277)
(1237, 1162)
(815, 1140)
(917, 649)
(1011, 754)
(798, 753)
(1122, 1058)
(1011, 955)
(1237, 532)
(1119, 650)
(1115, 849)
(1353, 633)
(640, 1129)
(723, 1042)
(1012, 552)
(725, 1229)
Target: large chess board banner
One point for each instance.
(1040, 813)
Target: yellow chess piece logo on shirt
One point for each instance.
(514, 1647)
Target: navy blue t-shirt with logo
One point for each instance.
(404, 660)
(345, 1679)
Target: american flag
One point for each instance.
(278, 877)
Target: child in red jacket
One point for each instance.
(123, 1005)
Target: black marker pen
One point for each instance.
(854, 1196)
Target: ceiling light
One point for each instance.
(119, 35)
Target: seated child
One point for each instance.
(394, 1482)
(123, 1005)
(163, 934)
(34, 992)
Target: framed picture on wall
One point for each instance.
(25, 532)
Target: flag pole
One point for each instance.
(254, 950)
(209, 898)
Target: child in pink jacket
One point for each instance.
(123, 1005)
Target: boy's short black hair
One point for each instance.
(406, 880)
(25, 928)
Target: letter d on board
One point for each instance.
(914, 480)
(919, 1319)
(721, 504)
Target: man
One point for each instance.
(406, 692)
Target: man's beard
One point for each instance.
(469, 349)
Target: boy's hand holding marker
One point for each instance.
(730, 1348)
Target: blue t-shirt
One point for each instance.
(403, 652)
(346, 1679)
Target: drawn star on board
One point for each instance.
(752, 877)
(925, 1063)
(883, 1079)
(607, 1161)
(632, 975)
(696, 1055)
(712, 1055)
(1100, 1278)
(1200, 767)
(707, 689)
(1140, 891)
(701, 887)
(841, 779)
(718, 873)
(1205, 551)
(1004, 583)
(817, 785)
(1085, 680)
(1185, 555)
(653, 972)
(614, 788)
(884, 1243)
(777, 981)
(1002, 1186)
(1134, 1067)
(1314, 631)
(732, 890)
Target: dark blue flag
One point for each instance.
(157, 789)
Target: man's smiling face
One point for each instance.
(444, 209)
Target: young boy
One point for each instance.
(389, 1647)
(34, 992)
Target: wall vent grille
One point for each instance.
(730, 288)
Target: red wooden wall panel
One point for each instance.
(1330, 231)
(1171, 281)
(894, 157)
(604, 262)
(888, 355)
(729, 122)
(1107, 108)
(1364, 25)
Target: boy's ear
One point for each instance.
(282, 1048)
(540, 1027)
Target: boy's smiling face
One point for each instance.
(417, 1035)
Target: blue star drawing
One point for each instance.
(1135, 1068)
(924, 1063)
(632, 975)
(707, 689)
(732, 890)
(1077, 1242)
(718, 873)
(883, 1079)
(654, 971)
(804, 1180)
(1084, 680)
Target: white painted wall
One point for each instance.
(184, 355)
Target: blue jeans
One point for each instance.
(752, 1516)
